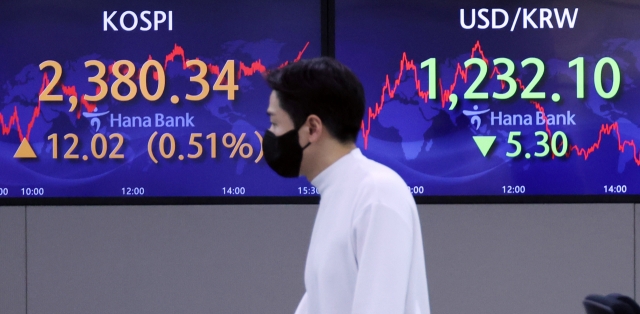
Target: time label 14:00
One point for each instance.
(528, 92)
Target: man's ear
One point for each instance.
(315, 128)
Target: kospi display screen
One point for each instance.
(491, 98)
(144, 98)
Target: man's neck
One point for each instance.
(332, 152)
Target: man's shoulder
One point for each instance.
(379, 174)
(382, 184)
(382, 189)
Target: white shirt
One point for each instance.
(366, 254)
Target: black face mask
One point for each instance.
(283, 153)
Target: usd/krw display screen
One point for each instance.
(471, 98)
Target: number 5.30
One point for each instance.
(559, 144)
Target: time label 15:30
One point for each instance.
(308, 190)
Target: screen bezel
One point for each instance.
(327, 21)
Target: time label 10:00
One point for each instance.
(528, 92)
(224, 82)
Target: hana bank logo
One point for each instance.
(94, 118)
(475, 115)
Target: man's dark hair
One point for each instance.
(324, 87)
